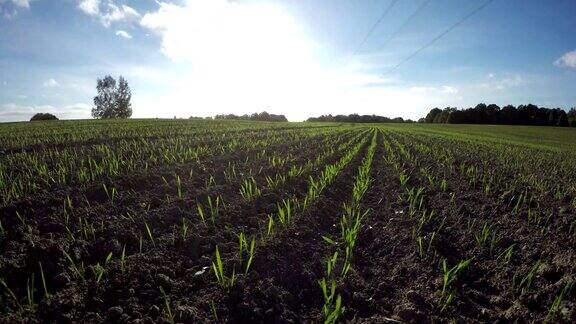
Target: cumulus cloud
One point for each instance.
(90, 7)
(50, 83)
(109, 12)
(123, 33)
(567, 60)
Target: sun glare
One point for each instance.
(252, 53)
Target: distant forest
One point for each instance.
(355, 118)
(263, 116)
(509, 115)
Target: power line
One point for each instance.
(423, 4)
(373, 28)
(444, 33)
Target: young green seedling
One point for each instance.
(218, 269)
(506, 256)
(123, 259)
(483, 236)
(251, 252)
(523, 285)
(12, 295)
(449, 275)
(30, 293)
(167, 308)
(555, 307)
(99, 270)
(150, 235)
(46, 294)
(77, 270)
(270, 227)
(201, 213)
(179, 187)
(249, 189)
(332, 308)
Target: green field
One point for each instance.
(231, 221)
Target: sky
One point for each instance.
(298, 58)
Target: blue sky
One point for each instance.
(300, 58)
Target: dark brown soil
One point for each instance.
(391, 279)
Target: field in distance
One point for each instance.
(230, 221)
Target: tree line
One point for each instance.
(263, 116)
(113, 101)
(355, 118)
(509, 115)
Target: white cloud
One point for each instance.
(503, 81)
(118, 13)
(122, 33)
(17, 3)
(438, 90)
(242, 57)
(78, 107)
(567, 60)
(90, 7)
(207, 30)
(9, 8)
(449, 89)
(256, 54)
(50, 83)
(14, 112)
(108, 13)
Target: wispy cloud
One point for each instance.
(16, 112)
(109, 12)
(50, 83)
(445, 90)
(115, 13)
(17, 3)
(9, 8)
(123, 33)
(449, 89)
(503, 81)
(567, 60)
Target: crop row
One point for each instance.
(23, 174)
(150, 237)
(287, 211)
(24, 137)
(339, 262)
(435, 203)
